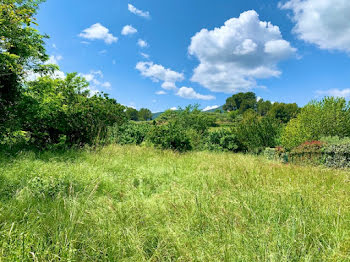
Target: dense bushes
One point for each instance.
(129, 133)
(256, 133)
(328, 117)
(222, 140)
(170, 136)
(56, 111)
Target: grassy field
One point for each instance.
(140, 204)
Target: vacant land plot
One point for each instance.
(140, 204)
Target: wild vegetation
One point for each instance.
(84, 178)
(131, 203)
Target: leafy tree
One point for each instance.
(328, 117)
(21, 50)
(145, 114)
(241, 102)
(132, 114)
(62, 110)
(283, 112)
(256, 132)
(263, 107)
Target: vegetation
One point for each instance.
(140, 204)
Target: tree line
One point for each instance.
(48, 112)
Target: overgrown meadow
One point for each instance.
(129, 203)
(84, 178)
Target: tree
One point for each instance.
(145, 114)
(21, 50)
(62, 110)
(241, 102)
(263, 107)
(328, 117)
(284, 112)
(256, 132)
(132, 114)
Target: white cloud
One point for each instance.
(138, 12)
(173, 108)
(102, 52)
(161, 92)
(54, 60)
(335, 92)
(235, 55)
(95, 78)
(142, 43)
(189, 93)
(160, 73)
(325, 23)
(147, 56)
(210, 108)
(129, 30)
(98, 32)
(57, 74)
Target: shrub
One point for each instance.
(328, 117)
(278, 154)
(256, 133)
(308, 153)
(170, 136)
(221, 139)
(129, 133)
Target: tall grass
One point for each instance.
(127, 203)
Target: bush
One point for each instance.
(278, 154)
(328, 117)
(170, 136)
(308, 153)
(221, 139)
(337, 152)
(129, 133)
(256, 133)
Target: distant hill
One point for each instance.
(155, 115)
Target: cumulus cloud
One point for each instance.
(173, 108)
(159, 73)
(142, 43)
(129, 30)
(324, 23)
(189, 93)
(98, 32)
(138, 12)
(335, 92)
(210, 108)
(235, 55)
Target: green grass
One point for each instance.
(140, 204)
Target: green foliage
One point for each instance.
(328, 117)
(129, 133)
(126, 203)
(256, 133)
(132, 114)
(222, 140)
(241, 102)
(145, 114)
(263, 107)
(170, 136)
(337, 155)
(21, 50)
(283, 112)
(308, 153)
(62, 111)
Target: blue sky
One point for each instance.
(294, 58)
